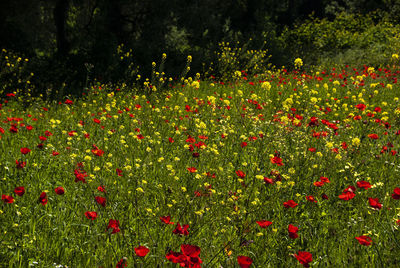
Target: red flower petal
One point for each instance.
(141, 251)
(264, 223)
(244, 261)
(7, 199)
(347, 196)
(91, 215)
(19, 191)
(374, 202)
(59, 190)
(304, 258)
(290, 203)
(364, 240)
(363, 184)
(190, 250)
(175, 257)
(166, 219)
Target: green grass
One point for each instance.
(220, 208)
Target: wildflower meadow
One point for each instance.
(283, 168)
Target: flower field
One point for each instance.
(284, 169)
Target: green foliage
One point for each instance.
(179, 153)
(14, 76)
(62, 37)
(124, 70)
(348, 39)
(233, 58)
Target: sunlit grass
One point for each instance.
(254, 171)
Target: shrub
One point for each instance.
(347, 39)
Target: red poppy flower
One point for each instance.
(13, 129)
(318, 183)
(374, 203)
(396, 193)
(122, 263)
(276, 160)
(240, 174)
(141, 251)
(364, 240)
(373, 136)
(101, 188)
(20, 165)
(80, 175)
(43, 198)
(293, 231)
(59, 190)
(181, 231)
(192, 169)
(98, 152)
(191, 148)
(25, 150)
(166, 219)
(348, 193)
(100, 200)
(200, 145)
(190, 250)
(244, 144)
(324, 179)
(350, 188)
(363, 184)
(114, 225)
(290, 203)
(97, 121)
(344, 145)
(140, 137)
(175, 257)
(335, 150)
(188, 258)
(244, 261)
(19, 190)
(119, 172)
(192, 255)
(304, 258)
(268, 180)
(264, 223)
(311, 198)
(324, 196)
(91, 215)
(361, 106)
(7, 199)
(171, 140)
(347, 196)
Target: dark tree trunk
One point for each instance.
(115, 22)
(60, 16)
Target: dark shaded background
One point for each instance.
(63, 38)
